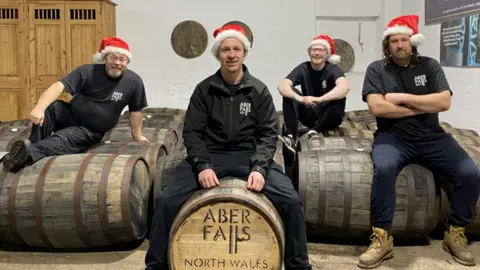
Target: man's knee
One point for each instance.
(384, 170)
(281, 191)
(469, 171)
(57, 106)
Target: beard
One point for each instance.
(114, 72)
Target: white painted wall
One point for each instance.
(282, 29)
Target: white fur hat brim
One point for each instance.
(332, 58)
(416, 40)
(230, 34)
(99, 57)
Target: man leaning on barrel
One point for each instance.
(406, 91)
(100, 92)
(230, 130)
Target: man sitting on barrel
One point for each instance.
(406, 91)
(321, 104)
(230, 129)
(100, 92)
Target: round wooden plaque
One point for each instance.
(189, 39)
(345, 50)
(247, 29)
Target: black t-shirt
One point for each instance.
(315, 82)
(98, 100)
(426, 78)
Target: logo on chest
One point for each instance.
(116, 96)
(324, 84)
(420, 80)
(245, 108)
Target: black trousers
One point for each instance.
(278, 189)
(323, 117)
(68, 136)
(442, 155)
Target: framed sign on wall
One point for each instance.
(438, 11)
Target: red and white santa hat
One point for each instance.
(406, 24)
(328, 43)
(111, 45)
(229, 31)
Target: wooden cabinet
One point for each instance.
(41, 42)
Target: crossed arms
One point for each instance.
(399, 105)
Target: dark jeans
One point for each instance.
(325, 116)
(68, 137)
(278, 189)
(441, 155)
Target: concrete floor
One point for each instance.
(322, 256)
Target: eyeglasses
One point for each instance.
(321, 50)
(114, 58)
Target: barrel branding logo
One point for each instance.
(117, 96)
(230, 225)
(245, 108)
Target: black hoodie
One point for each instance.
(220, 120)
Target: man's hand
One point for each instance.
(255, 182)
(309, 101)
(37, 116)
(141, 138)
(396, 98)
(208, 178)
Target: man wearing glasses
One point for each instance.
(321, 104)
(100, 92)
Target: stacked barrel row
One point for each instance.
(111, 187)
(105, 195)
(333, 175)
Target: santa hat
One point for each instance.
(328, 43)
(229, 31)
(407, 24)
(111, 45)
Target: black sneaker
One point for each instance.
(312, 134)
(289, 142)
(18, 156)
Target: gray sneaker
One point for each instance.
(289, 142)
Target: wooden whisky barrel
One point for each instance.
(349, 132)
(160, 111)
(335, 189)
(151, 152)
(164, 136)
(16, 123)
(232, 226)
(461, 131)
(340, 144)
(357, 113)
(75, 201)
(159, 121)
(353, 125)
(467, 141)
(8, 135)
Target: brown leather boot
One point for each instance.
(379, 250)
(455, 243)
